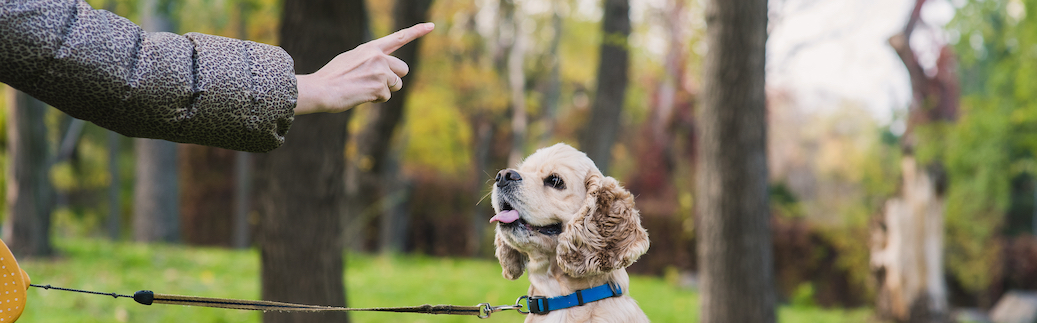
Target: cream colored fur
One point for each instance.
(602, 235)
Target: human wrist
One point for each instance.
(308, 100)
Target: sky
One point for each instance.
(827, 54)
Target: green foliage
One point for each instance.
(371, 281)
(4, 91)
(256, 20)
(803, 296)
(126, 8)
(863, 170)
(978, 164)
(879, 178)
(995, 137)
(89, 170)
(437, 133)
(784, 201)
(462, 82)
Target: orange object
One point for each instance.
(15, 283)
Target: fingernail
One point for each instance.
(429, 26)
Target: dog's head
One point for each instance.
(557, 203)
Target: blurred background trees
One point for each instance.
(621, 80)
(373, 188)
(610, 93)
(30, 195)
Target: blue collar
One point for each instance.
(543, 305)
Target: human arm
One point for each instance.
(102, 68)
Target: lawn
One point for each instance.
(371, 281)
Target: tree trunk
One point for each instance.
(368, 179)
(156, 198)
(114, 187)
(395, 218)
(156, 194)
(907, 242)
(242, 200)
(482, 128)
(600, 134)
(300, 187)
(516, 74)
(907, 254)
(207, 200)
(554, 79)
(734, 239)
(30, 195)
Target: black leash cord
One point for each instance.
(147, 297)
(114, 295)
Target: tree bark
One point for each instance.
(907, 256)
(483, 130)
(207, 200)
(600, 134)
(156, 194)
(300, 187)
(242, 237)
(516, 75)
(554, 79)
(907, 240)
(156, 211)
(734, 239)
(30, 195)
(368, 179)
(114, 187)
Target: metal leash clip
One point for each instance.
(485, 309)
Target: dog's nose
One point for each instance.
(506, 176)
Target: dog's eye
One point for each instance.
(554, 181)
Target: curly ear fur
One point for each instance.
(606, 233)
(511, 261)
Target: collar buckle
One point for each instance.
(537, 305)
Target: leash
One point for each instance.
(16, 283)
(147, 297)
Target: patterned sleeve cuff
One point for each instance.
(245, 94)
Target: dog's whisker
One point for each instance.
(484, 197)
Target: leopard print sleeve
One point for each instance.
(194, 88)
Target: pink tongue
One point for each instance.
(508, 216)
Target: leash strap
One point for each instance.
(147, 297)
(543, 305)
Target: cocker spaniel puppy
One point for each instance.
(574, 231)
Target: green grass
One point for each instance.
(371, 281)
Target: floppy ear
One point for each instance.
(512, 261)
(605, 234)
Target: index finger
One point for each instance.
(394, 41)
